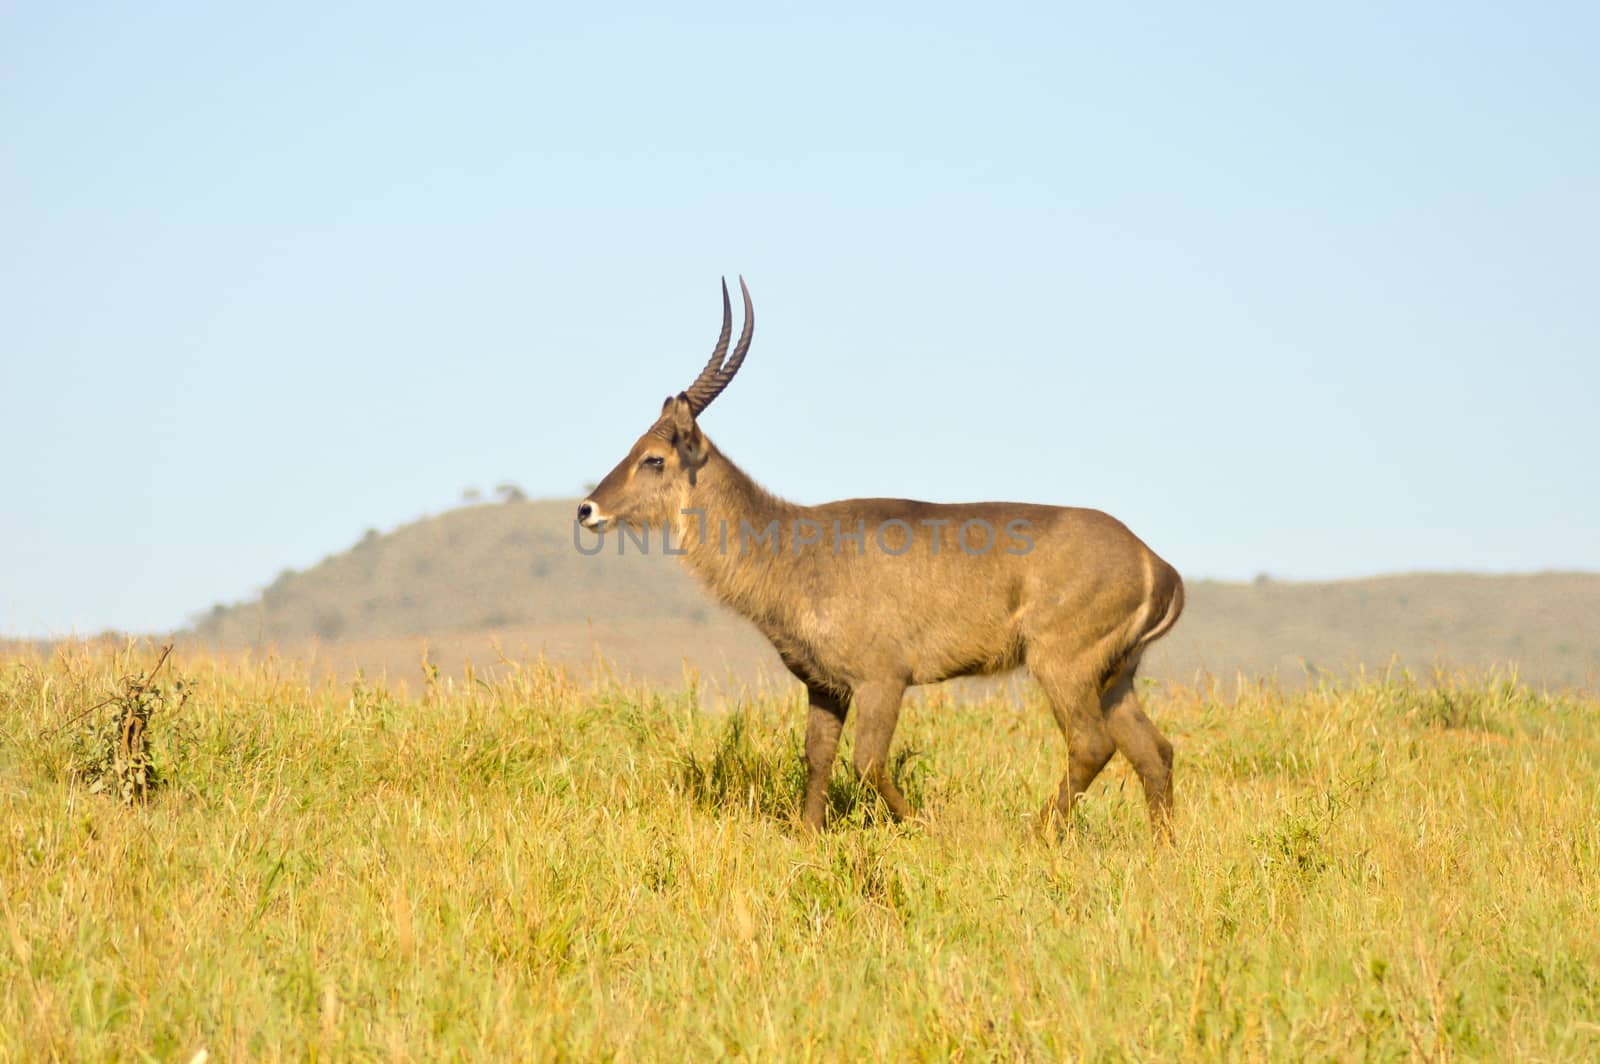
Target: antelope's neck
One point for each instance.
(723, 529)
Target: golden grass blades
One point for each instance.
(524, 864)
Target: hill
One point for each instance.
(508, 573)
(488, 566)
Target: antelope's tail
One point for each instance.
(1169, 584)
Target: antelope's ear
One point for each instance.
(678, 411)
(686, 435)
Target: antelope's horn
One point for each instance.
(716, 374)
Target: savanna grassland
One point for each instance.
(527, 864)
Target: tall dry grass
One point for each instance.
(528, 865)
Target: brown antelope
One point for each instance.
(864, 597)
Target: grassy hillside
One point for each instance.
(1545, 624)
(509, 573)
(480, 567)
(528, 868)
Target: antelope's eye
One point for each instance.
(655, 462)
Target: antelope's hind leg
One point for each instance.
(1077, 708)
(1143, 745)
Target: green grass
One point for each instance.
(528, 866)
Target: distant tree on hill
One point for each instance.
(277, 592)
(329, 624)
(510, 492)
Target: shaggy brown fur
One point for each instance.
(1070, 593)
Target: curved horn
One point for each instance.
(716, 374)
(708, 373)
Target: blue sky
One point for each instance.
(1307, 290)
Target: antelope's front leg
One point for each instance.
(878, 711)
(824, 721)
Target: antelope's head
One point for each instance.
(652, 484)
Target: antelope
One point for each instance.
(908, 599)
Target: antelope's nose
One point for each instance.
(585, 511)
